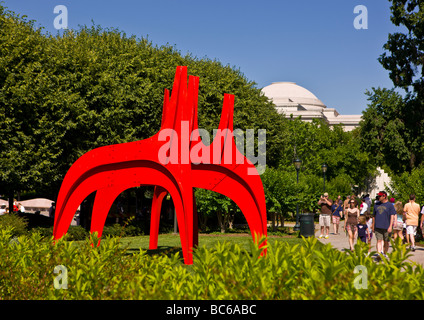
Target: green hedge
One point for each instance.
(20, 226)
(304, 271)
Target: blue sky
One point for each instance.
(312, 43)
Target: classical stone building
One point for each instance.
(291, 99)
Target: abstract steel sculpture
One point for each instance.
(219, 167)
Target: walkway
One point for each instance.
(341, 242)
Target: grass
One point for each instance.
(170, 243)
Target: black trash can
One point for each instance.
(307, 225)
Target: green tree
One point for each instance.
(404, 56)
(211, 203)
(385, 132)
(393, 125)
(281, 192)
(21, 48)
(404, 184)
(316, 143)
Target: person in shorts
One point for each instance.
(337, 213)
(325, 216)
(398, 224)
(384, 216)
(412, 213)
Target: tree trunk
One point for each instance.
(221, 221)
(11, 195)
(231, 220)
(203, 219)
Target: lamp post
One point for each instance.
(324, 170)
(297, 164)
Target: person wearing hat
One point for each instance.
(325, 216)
(384, 216)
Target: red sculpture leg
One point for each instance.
(102, 204)
(158, 195)
(195, 224)
(155, 218)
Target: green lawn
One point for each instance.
(170, 243)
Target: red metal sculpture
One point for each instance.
(219, 167)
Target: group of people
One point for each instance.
(17, 207)
(387, 218)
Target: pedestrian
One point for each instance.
(363, 233)
(384, 215)
(21, 208)
(15, 206)
(412, 211)
(398, 224)
(351, 224)
(422, 218)
(368, 202)
(324, 218)
(52, 210)
(346, 203)
(369, 220)
(2, 209)
(364, 206)
(337, 214)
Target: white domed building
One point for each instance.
(292, 99)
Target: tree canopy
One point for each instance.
(393, 125)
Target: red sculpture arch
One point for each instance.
(112, 169)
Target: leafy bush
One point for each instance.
(45, 233)
(109, 271)
(130, 228)
(76, 233)
(17, 224)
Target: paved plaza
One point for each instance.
(341, 242)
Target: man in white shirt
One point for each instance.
(364, 207)
(2, 210)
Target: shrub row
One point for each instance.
(20, 226)
(109, 271)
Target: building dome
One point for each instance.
(291, 99)
(289, 94)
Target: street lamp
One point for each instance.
(297, 164)
(324, 170)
